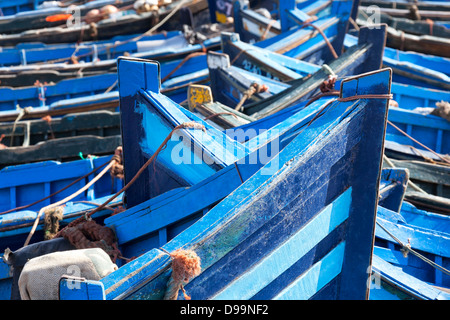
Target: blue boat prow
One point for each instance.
(147, 118)
(310, 223)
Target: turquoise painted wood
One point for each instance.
(266, 210)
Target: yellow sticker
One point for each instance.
(221, 17)
(198, 95)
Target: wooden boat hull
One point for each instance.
(412, 68)
(36, 19)
(405, 266)
(394, 229)
(24, 184)
(226, 271)
(105, 29)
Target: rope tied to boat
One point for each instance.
(407, 248)
(182, 62)
(90, 234)
(328, 43)
(186, 125)
(52, 217)
(253, 89)
(68, 198)
(185, 266)
(328, 85)
(418, 142)
(116, 169)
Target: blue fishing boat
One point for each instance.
(100, 123)
(167, 16)
(407, 132)
(412, 97)
(429, 132)
(286, 18)
(228, 82)
(173, 50)
(425, 71)
(43, 94)
(146, 277)
(401, 232)
(251, 183)
(89, 51)
(400, 270)
(13, 7)
(94, 91)
(399, 39)
(26, 189)
(16, 19)
(62, 139)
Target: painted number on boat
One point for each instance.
(247, 65)
(223, 10)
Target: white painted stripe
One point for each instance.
(289, 252)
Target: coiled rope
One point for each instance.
(253, 89)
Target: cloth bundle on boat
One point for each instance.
(16, 260)
(40, 276)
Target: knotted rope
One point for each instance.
(117, 164)
(254, 88)
(185, 266)
(92, 235)
(51, 221)
(328, 85)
